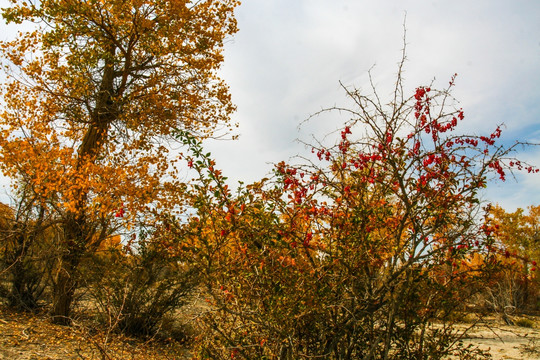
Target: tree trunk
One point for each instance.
(66, 277)
(64, 290)
(77, 234)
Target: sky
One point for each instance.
(289, 57)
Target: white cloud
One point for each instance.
(287, 59)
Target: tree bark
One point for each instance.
(63, 296)
(74, 242)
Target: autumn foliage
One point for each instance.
(515, 288)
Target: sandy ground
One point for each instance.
(507, 342)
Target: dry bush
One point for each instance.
(137, 292)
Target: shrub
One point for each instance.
(363, 252)
(26, 255)
(136, 290)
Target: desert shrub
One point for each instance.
(136, 290)
(363, 252)
(507, 292)
(26, 255)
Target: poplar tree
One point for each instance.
(93, 96)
